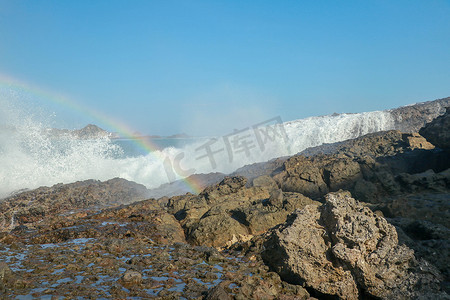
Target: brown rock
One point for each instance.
(297, 251)
(265, 181)
(216, 228)
(131, 277)
(34, 206)
(341, 247)
(276, 198)
(365, 191)
(304, 176)
(416, 141)
(5, 272)
(438, 131)
(227, 186)
(260, 217)
(208, 218)
(218, 293)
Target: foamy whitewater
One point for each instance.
(29, 158)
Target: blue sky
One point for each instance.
(204, 67)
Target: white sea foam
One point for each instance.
(29, 158)
(315, 131)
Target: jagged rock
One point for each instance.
(387, 143)
(265, 181)
(342, 247)
(33, 206)
(207, 217)
(438, 131)
(428, 180)
(411, 118)
(90, 131)
(140, 220)
(302, 175)
(131, 277)
(429, 206)
(216, 228)
(261, 216)
(429, 240)
(318, 175)
(5, 273)
(375, 159)
(297, 250)
(230, 212)
(416, 141)
(218, 293)
(268, 287)
(227, 186)
(276, 198)
(255, 170)
(149, 219)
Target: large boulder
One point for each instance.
(438, 131)
(343, 249)
(262, 215)
(231, 212)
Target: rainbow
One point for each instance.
(9, 82)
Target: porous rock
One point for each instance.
(230, 212)
(344, 249)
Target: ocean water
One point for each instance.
(30, 159)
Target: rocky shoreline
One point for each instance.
(364, 219)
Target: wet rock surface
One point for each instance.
(135, 250)
(32, 206)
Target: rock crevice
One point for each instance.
(344, 249)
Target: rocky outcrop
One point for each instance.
(438, 131)
(32, 206)
(255, 170)
(92, 239)
(411, 118)
(88, 132)
(369, 166)
(91, 131)
(230, 212)
(136, 250)
(343, 249)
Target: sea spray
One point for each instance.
(31, 158)
(315, 131)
